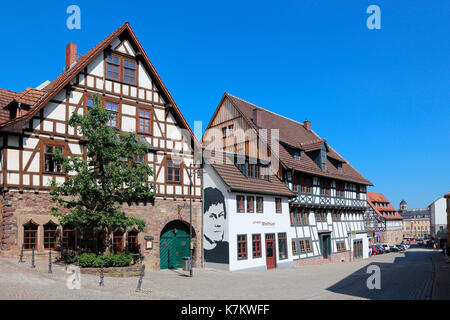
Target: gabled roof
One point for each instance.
(6, 97)
(236, 181)
(312, 145)
(29, 96)
(52, 89)
(387, 212)
(294, 134)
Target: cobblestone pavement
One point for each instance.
(403, 276)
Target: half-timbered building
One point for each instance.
(383, 223)
(34, 124)
(326, 214)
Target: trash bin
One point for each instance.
(187, 265)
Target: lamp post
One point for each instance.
(190, 219)
(191, 249)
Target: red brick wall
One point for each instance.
(333, 258)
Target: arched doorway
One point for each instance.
(174, 245)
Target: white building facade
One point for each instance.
(438, 216)
(254, 233)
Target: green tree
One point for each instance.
(110, 174)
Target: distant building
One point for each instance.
(382, 222)
(447, 198)
(438, 228)
(416, 222)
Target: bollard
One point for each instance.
(138, 289)
(21, 255)
(101, 284)
(50, 262)
(32, 258)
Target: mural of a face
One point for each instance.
(214, 219)
(215, 227)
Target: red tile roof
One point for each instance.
(294, 134)
(236, 181)
(6, 97)
(385, 210)
(30, 96)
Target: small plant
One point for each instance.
(89, 260)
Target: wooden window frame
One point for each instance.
(308, 245)
(150, 119)
(302, 246)
(27, 236)
(294, 247)
(115, 242)
(135, 70)
(121, 67)
(181, 168)
(108, 63)
(256, 246)
(282, 238)
(242, 247)
(117, 113)
(50, 236)
(260, 204)
(240, 203)
(325, 187)
(321, 216)
(306, 184)
(134, 241)
(252, 208)
(340, 189)
(278, 205)
(52, 144)
(67, 234)
(103, 103)
(340, 246)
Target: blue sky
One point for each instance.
(381, 98)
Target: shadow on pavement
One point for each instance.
(408, 277)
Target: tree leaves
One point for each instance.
(107, 176)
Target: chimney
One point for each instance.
(257, 117)
(71, 54)
(307, 125)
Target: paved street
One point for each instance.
(405, 275)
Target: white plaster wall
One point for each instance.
(438, 212)
(252, 223)
(12, 159)
(96, 66)
(128, 124)
(144, 79)
(55, 111)
(128, 110)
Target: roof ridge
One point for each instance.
(279, 115)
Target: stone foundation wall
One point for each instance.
(19, 208)
(333, 258)
(392, 237)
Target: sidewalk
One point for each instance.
(441, 283)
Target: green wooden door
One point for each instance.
(174, 245)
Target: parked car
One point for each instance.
(375, 250)
(380, 248)
(394, 249)
(402, 246)
(386, 247)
